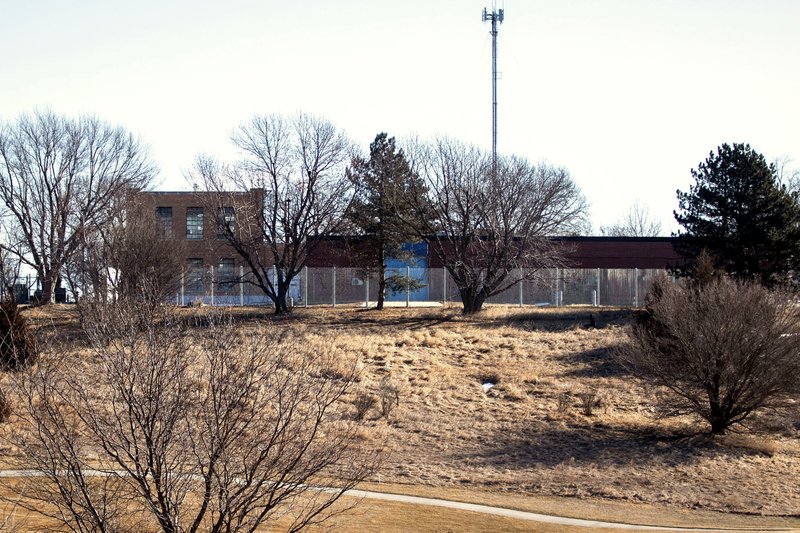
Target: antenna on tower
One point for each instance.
(496, 17)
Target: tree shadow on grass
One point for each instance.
(599, 445)
(348, 318)
(559, 319)
(593, 363)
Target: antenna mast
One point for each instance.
(495, 17)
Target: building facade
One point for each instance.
(197, 222)
(214, 272)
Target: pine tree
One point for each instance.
(738, 211)
(380, 209)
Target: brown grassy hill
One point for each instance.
(532, 433)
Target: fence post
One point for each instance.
(555, 291)
(636, 287)
(408, 285)
(520, 286)
(334, 286)
(598, 286)
(241, 285)
(183, 299)
(305, 286)
(366, 291)
(444, 287)
(212, 284)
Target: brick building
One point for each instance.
(197, 219)
(582, 252)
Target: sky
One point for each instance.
(629, 95)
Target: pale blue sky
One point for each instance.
(629, 95)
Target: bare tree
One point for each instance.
(490, 226)
(59, 177)
(722, 348)
(787, 172)
(638, 222)
(188, 426)
(127, 251)
(299, 165)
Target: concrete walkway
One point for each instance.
(535, 517)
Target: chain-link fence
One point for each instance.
(339, 286)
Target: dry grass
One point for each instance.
(528, 435)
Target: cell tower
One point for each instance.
(496, 17)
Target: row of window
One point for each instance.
(194, 222)
(197, 274)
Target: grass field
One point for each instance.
(527, 442)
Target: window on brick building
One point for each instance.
(194, 275)
(164, 221)
(226, 274)
(194, 222)
(226, 221)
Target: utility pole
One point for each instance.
(495, 17)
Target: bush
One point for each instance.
(241, 423)
(723, 349)
(590, 399)
(563, 402)
(17, 346)
(389, 396)
(363, 403)
(5, 408)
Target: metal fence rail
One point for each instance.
(339, 286)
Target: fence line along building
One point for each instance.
(604, 270)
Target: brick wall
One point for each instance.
(210, 248)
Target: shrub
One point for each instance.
(389, 396)
(363, 403)
(563, 402)
(17, 346)
(589, 400)
(723, 349)
(240, 424)
(5, 407)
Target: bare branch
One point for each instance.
(488, 225)
(58, 178)
(196, 423)
(638, 222)
(298, 166)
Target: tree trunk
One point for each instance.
(381, 277)
(281, 307)
(381, 288)
(472, 300)
(718, 425)
(719, 420)
(48, 286)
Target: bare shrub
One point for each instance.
(723, 349)
(5, 407)
(389, 397)
(590, 399)
(17, 344)
(563, 402)
(187, 425)
(364, 402)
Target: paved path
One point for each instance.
(475, 508)
(535, 517)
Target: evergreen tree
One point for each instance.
(738, 211)
(380, 209)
